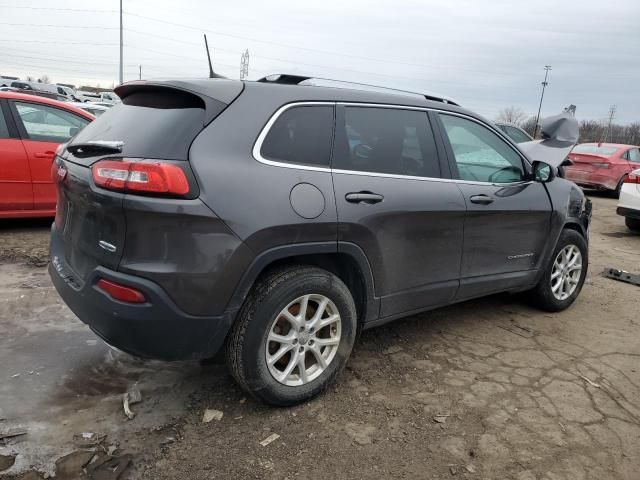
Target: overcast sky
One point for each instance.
(487, 54)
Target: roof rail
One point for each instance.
(289, 79)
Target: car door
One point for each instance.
(394, 204)
(43, 128)
(508, 215)
(15, 175)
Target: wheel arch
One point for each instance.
(345, 260)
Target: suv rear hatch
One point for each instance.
(153, 126)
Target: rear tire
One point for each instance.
(632, 224)
(559, 285)
(271, 321)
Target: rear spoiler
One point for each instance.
(213, 95)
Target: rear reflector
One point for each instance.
(633, 177)
(120, 292)
(145, 176)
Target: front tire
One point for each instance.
(293, 335)
(564, 276)
(632, 224)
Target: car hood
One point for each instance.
(559, 136)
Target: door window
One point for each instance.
(48, 124)
(301, 135)
(480, 154)
(386, 140)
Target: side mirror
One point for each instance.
(543, 172)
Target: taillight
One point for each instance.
(58, 171)
(633, 177)
(140, 176)
(121, 292)
(601, 164)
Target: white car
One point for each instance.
(94, 109)
(629, 203)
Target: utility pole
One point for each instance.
(244, 65)
(121, 72)
(544, 85)
(612, 113)
(139, 72)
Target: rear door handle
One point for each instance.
(481, 199)
(363, 197)
(48, 154)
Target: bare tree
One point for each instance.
(30, 78)
(528, 125)
(43, 78)
(513, 115)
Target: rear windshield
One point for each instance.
(594, 149)
(153, 123)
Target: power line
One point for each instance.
(55, 42)
(92, 10)
(50, 25)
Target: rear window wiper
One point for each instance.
(88, 149)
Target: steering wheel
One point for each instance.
(510, 168)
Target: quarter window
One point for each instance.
(386, 140)
(480, 154)
(516, 134)
(301, 135)
(48, 124)
(4, 130)
(634, 155)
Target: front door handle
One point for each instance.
(44, 154)
(363, 197)
(481, 199)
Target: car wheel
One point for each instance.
(293, 335)
(564, 275)
(633, 224)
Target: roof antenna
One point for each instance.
(212, 74)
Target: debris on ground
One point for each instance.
(470, 468)
(88, 439)
(210, 414)
(7, 461)
(441, 418)
(525, 332)
(15, 432)
(590, 382)
(132, 397)
(271, 438)
(622, 276)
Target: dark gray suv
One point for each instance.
(275, 220)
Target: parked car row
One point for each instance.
(62, 92)
(31, 129)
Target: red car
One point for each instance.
(31, 128)
(603, 166)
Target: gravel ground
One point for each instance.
(488, 389)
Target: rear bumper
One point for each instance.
(154, 329)
(591, 179)
(628, 212)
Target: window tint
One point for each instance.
(634, 155)
(516, 134)
(171, 120)
(386, 140)
(4, 130)
(480, 154)
(48, 124)
(301, 135)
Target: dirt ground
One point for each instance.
(488, 389)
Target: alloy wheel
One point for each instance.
(303, 340)
(566, 271)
